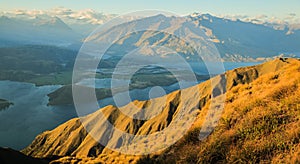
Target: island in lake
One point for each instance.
(5, 104)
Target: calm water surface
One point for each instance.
(30, 115)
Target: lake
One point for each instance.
(30, 114)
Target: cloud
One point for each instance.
(69, 16)
(262, 16)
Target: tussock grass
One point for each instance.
(260, 124)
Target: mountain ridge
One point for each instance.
(236, 40)
(72, 142)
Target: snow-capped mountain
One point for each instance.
(69, 16)
(36, 30)
(236, 37)
(290, 22)
(82, 21)
(86, 20)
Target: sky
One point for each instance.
(276, 8)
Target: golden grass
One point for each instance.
(260, 124)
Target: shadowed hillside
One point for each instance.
(260, 123)
(9, 156)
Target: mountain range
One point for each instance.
(36, 31)
(236, 40)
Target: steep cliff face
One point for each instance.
(72, 142)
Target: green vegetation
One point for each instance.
(143, 80)
(41, 65)
(5, 104)
(147, 80)
(62, 78)
(63, 95)
(48, 65)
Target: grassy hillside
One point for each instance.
(41, 65)
(260, 123)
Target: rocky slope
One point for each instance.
(247, 122)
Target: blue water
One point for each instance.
(30, 114)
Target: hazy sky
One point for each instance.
(278, 8)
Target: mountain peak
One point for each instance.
(54, 21)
